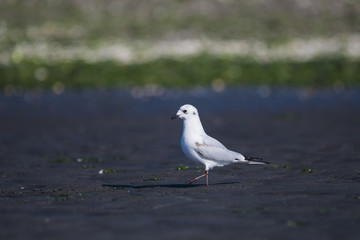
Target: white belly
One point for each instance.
(189, 151)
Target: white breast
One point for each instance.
(188, 148)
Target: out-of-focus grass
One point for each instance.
(271, 20)
(202, 70)
(61, 25)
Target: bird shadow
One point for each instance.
(164, 185)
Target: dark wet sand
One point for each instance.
(47, 194)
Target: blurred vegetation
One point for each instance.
(90, 23)
(199, 70)
(93, 20)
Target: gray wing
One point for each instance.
(210, 141)
(212, 149)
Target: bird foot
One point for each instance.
(206, 174)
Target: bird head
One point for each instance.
(186, 111)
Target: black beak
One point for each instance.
(174, 117)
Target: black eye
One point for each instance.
(184, 111)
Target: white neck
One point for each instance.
(193, 126)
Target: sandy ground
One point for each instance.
(52, 148)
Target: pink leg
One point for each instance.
(207, 178)
(206, 174)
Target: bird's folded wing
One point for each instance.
(218, 154)
(212, 142)
(211, 149)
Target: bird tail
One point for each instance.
(254, 160)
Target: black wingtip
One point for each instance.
(253, 159)
(256, 159)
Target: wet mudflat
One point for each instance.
(108, 164)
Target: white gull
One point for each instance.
(200, 147)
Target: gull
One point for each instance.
(200, 147)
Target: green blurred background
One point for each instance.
(59, 45)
